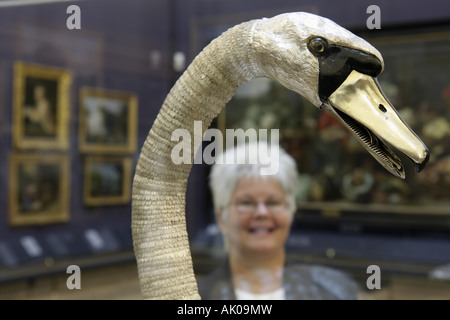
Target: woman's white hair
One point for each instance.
(249, 160)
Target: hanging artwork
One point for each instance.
(38, 189)
(107, 180)
(41, 107)
(108, 121)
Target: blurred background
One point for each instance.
(78, 97)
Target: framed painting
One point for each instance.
(107, 180)
(38, 189)
(338, 178)
(41, 107)
(108, 121)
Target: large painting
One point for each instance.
(337, 175)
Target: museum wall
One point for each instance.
(122, 58)
(121, 54)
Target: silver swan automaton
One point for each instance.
(311, 55)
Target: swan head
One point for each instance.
(337, 72)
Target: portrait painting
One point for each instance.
(41, 107)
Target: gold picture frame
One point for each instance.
(327, 157)
(38, 189)
(107, 180)
(108, 121)
(41, 107)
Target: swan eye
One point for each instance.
(317, 46)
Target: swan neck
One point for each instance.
(160, 237)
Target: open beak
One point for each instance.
(360, 105)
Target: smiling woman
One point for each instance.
(254, 213)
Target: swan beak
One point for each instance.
(361, 106)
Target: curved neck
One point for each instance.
(158, 200)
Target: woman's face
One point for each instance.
(257, 218)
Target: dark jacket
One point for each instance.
(301, 282)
